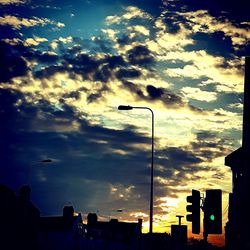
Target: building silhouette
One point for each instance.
(61, 232)
(27, 220)
(111, 235)
(19, 220)
(7, 218)
(238, 226)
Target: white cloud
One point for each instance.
(67, 39)
(6, 2)
(139, 29)
(60, 25)
(202, 64)
(134, 12)
(18, 23)
(13, 41)
(166, 42)
(110, 33)
(198, 94)
(201, 21)
(131, 12)
(35, 41)
(236, 105)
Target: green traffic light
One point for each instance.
(212, 217)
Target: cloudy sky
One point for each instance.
(65, 66)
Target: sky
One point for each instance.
(65, 67)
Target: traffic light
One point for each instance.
(194, 208)
(213, 212)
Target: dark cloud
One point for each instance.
(103, 74)
(7, 32)
(95, 96)
(172, 22)
(166, 96)
(15, 52)
(234, 10)
(133, 88)
(89, 67)
(213, 43)
(176, 166)
(208, 146)
(49, 71)
(74, 61)
(83, 63)
(103, 45)
(11, 113)
(124, 40)
(154, 92)
(196, 109)
(75, 49)
(73, 94)
(128, 73)
(47, 57)
(180, 156)
(114, 61)
(90, 157)
(126, 135)
(209, 155)
(11, 127)
(204, 135)
(95, 45)
(227, 99)
(12, 63)
(28, 134)
(171, 98)
(140, 55)
(175, 163)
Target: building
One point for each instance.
(179, 235)
(112, 235)
(161, 241)
(61, 232)
(7, 217)
(238, 225)
(27, 220)
(19, 219)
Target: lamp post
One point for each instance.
(123, 107)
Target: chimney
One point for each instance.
(139, 224)
(92, 219)
(246, 109)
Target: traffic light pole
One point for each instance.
(205, 235)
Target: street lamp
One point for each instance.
(124, 107)
(45, 161)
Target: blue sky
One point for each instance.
(66, 66)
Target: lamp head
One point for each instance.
(124, 107)
(46, 160)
